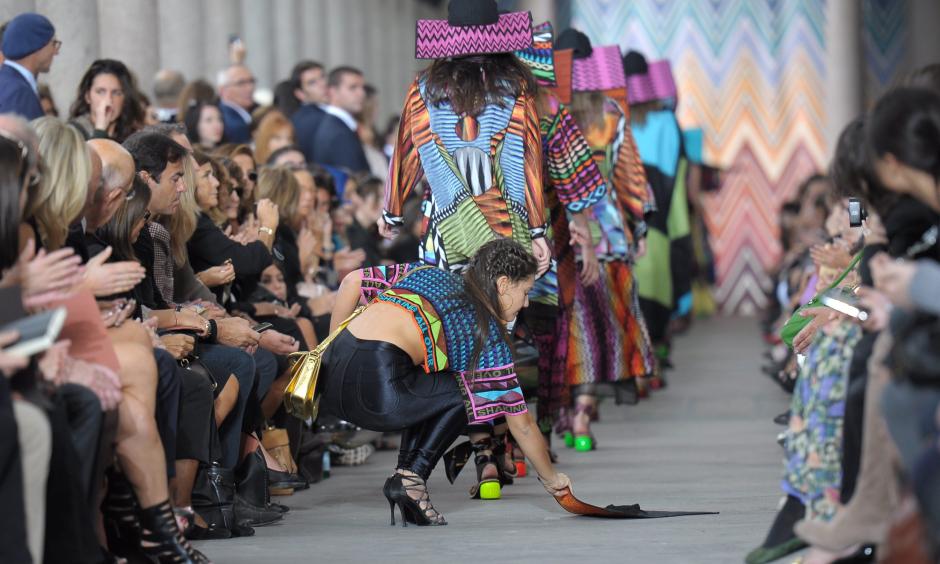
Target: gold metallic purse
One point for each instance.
(300, 397)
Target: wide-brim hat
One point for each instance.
(473, 27)
(593, 68)
(539, 56)
(601, 70)
(648, 82)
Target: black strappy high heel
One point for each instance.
(162, 540)
(396, 492)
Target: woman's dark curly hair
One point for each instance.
(133, 111)
(471, 83)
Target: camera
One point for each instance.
(857, 212)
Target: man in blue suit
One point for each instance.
(328, 136)
(29, 45)
(237, 92)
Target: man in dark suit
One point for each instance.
(335, 141)
(29, 45)
(236, 92)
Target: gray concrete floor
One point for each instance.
(706, 443)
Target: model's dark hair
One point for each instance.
(906, 123)
(133, 110)
(471, 83)
(152, 152)
(13, 170)
(117, 231)
(851, 172)
(587, 109)
(500, 257)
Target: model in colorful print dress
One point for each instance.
(604, 338)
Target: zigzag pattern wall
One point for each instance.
(751, 73)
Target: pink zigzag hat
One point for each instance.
(602, 70)
(438, 39)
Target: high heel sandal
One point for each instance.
(162, 540)
(563, 427)
(396, 492)
(508, 472)
(584, 442)
(489, 488)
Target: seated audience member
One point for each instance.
(168, 84)
(236, 87)
(108, 102)
(274, 132)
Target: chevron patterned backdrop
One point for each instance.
(884, 40)
(751, 74)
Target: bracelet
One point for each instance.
(266, 230)
(213, 331)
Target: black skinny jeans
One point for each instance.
(375, 385)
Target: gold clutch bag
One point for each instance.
(300, 397)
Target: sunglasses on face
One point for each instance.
(253, 175)
(147, 215)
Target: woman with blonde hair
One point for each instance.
(60, 197)
(274, 132)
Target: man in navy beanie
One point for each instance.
(29, 45)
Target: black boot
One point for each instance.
(214, 501)
(162, 540)
(252, 486)
(121, 525)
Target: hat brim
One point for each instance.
(539, 57)
(437, 39)
(602, 70)
(563, 64)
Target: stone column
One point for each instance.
(181, 36)
(76, 26)
(923, 41)
(222, 18)
(258, 35)
(844, 78)
(286, 38)
(312, 31)
(542, 10)
(128, 31)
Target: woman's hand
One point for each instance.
(102, 114)
(178, 345)
(641, 248)
(878, 307)
(53, 273)
(833, 256)
(268, 214)
(217, 275)
(107, 279)
(542, 254)
(386, 230)
(278, 343)
(189, 320)
(287, 313)
(821, 316)
(557, 485)
(116, 312)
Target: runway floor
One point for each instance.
(705, 443)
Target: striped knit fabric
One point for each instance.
(481, 188)
(437, 39)
(492, 389)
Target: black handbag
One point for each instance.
(193, 364)
(915, 355)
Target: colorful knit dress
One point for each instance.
(605, 338)
(573, 183)
(663, 275)
(484, 173)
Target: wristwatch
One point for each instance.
(266, 230)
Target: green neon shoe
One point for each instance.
(568, 437)
(584, 443)
(490, 490)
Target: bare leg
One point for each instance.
(226, 400)
(275, 397)
(138, 444)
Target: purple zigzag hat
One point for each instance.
(602, 70)
(648, 82)
(593, 68)
(473, 27)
